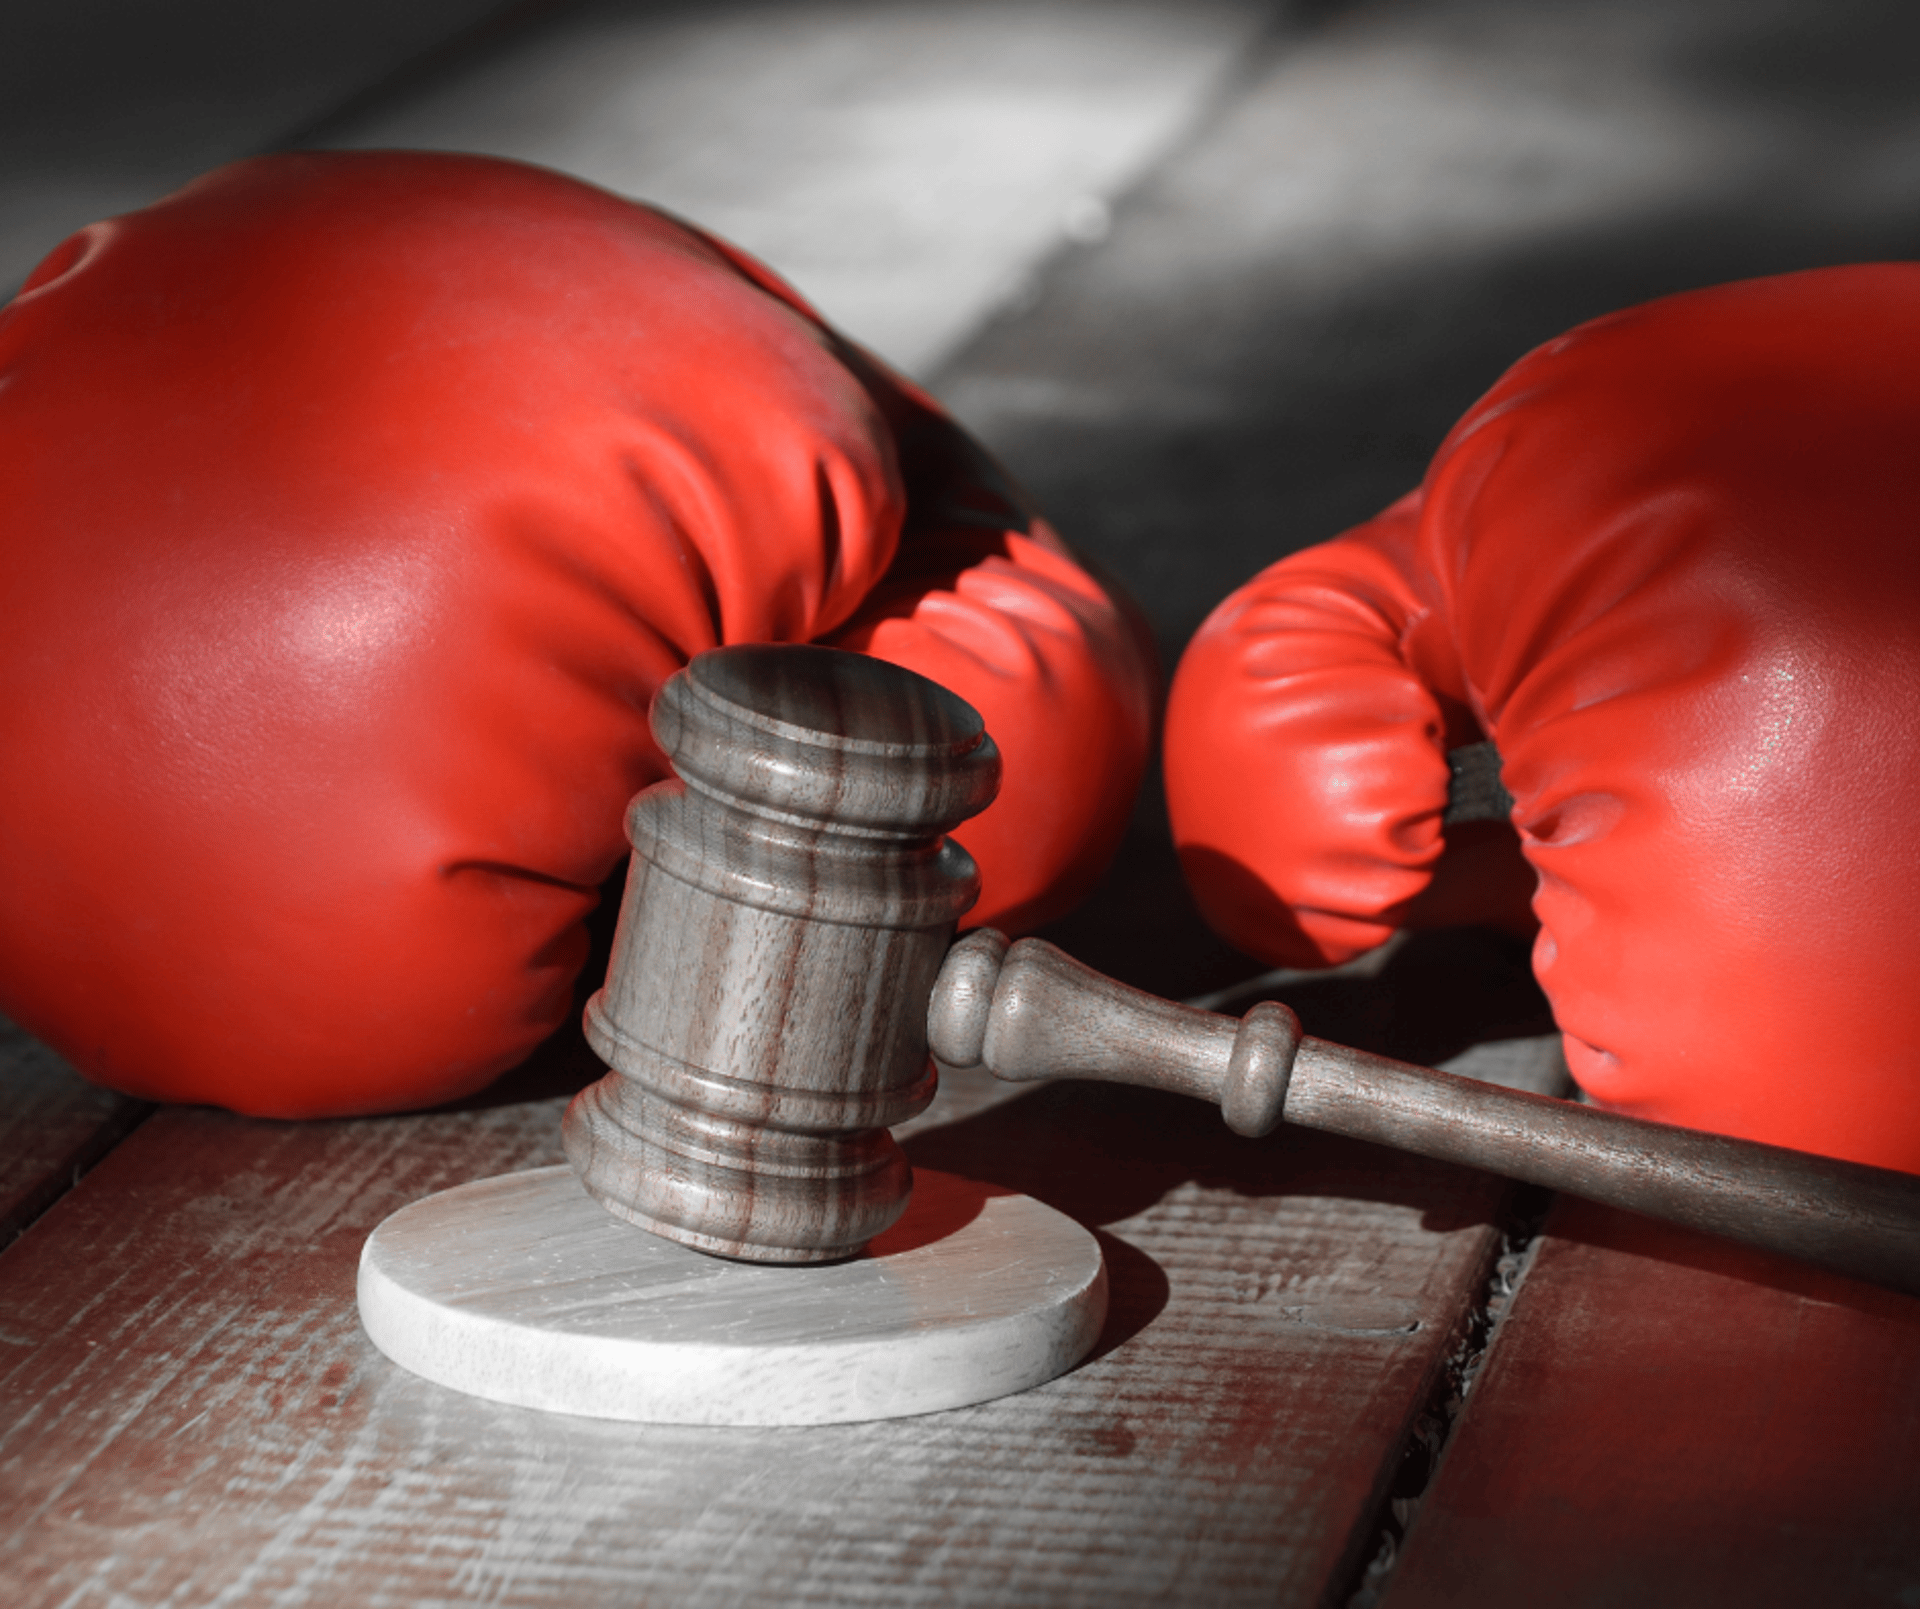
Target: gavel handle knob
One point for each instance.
(1029, 1011)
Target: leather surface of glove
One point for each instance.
(1670, 564)
(352, 508)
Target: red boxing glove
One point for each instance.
(352, 507)
(1671, 565)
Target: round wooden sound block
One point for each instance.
(525, 1290)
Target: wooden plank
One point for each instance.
(189, 1411)
(908, 166)
(1668, 1420)
(54, 1125)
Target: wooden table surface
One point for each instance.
(192, 1415)
(1213, 278)
(1664, 1419)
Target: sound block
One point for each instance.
(523, 1289)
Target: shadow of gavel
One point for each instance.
(784, 962)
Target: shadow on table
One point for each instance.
(562, 1066)
(1432, 996)
(1106, 1153)
(1103, 1153)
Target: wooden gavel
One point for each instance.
(782, 968)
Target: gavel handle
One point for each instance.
(1031, 1011)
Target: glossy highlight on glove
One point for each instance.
(1668, 564)
(352, 508)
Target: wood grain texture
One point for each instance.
(1665, 1421)
(190, 1413)
(523, 1289)
(53, 1126)
(789, 901)
(1031, 1011)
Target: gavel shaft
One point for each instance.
(1033, 1012)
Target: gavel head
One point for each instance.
(790, 900)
